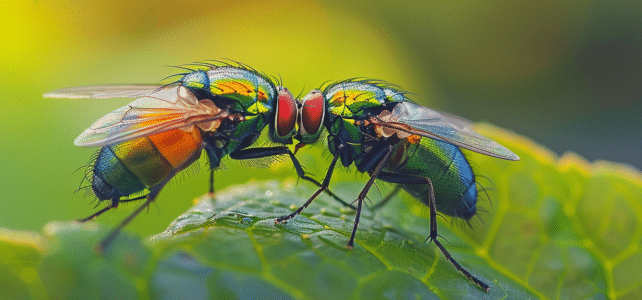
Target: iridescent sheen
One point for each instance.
(129, 167)
(450, 173)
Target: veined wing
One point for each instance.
(105, 91)
(416, 119)
(164, 110)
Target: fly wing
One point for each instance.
(105, 91)
(166, 109)
(416, 119)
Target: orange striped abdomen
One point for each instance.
(132, 166)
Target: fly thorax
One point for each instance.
(249, 94)
(196, 80)
(351, 98)
(250, 91)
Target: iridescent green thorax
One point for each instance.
(251, 94)
(350, 98)
(349, 101)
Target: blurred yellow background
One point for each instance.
(565, 74)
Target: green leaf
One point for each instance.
(565, 227)
(552, 228)
(307, 257)
(20, 257)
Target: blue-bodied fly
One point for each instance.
(374, 126)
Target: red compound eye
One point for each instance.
(285, 114)
(312, 113)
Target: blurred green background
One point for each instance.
(564, 74)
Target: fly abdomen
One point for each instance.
(129, 167)
(451, 175)
(111, 178)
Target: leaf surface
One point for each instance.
(548, 227)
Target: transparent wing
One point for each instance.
(416, 119)
(105, 91)
(166, 109)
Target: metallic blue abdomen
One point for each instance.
(111, 179)
(450, 173)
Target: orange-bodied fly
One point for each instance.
(219, 108)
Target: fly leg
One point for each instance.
(410, 179)
(433, 237)
(364, 193)
(386, 199)
(271, 151)
(150, 198)
(153, 192)
(214, 155)
(323, 187)
(211, 181)
(114, 204)
(112, 235)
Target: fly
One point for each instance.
(221, 109)
(378, 129)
